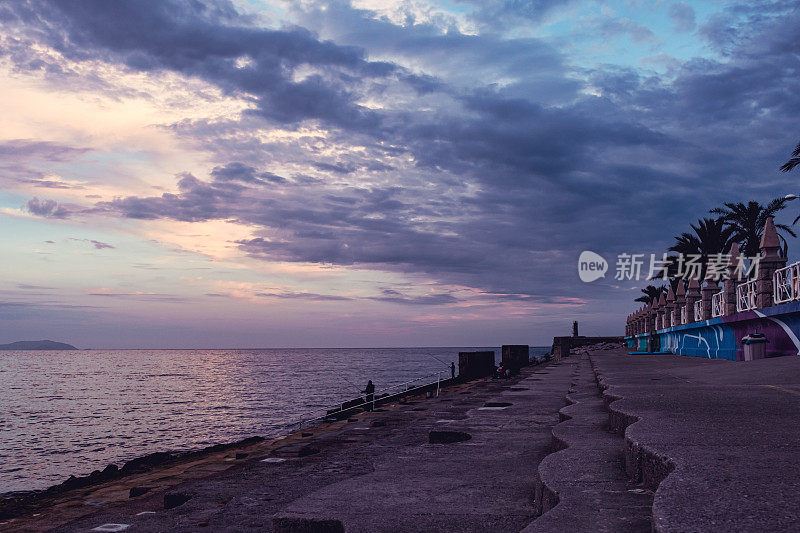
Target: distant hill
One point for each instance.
(37, 345)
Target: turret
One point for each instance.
(771, 260)
(681, 316)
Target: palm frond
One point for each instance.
(787, 229)
(794, 161)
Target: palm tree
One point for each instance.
(651, 293)
(711, 236)
(794, 161)
(747, 222)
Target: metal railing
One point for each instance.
(746, 296)
(718, 304)
(684, 319)
(382, 395)
(698, 311)
(785, 284)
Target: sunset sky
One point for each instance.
(370, 173)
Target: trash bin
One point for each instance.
(754, 346)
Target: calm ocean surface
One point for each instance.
(72, 412)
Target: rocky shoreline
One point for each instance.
(20, 503)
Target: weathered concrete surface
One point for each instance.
(583, 487)
(378, 473)
(727, 432)
(484, 484)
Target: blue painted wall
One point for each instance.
(721, 338)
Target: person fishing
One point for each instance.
(452, 370)
(370, 391)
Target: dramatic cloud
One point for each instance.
(289, 74)
(499, 162)
(448, 146)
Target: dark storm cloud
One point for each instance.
(339, 168)
(491, 185)
(245, 173)
(209, 40)
(535, 67)
(550, 180)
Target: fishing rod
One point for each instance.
(445, 364)
(352, 384)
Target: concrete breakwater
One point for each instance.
(402, 448)
(470, 459)
(71, 412)
(562, 346)
(15, 504)
(713, 439)
(598, 441)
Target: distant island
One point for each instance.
(37, 345)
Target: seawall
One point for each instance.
(563, 345)
(721, 337)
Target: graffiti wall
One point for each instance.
(721, 338)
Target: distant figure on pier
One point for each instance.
(370, 390)
(574, 328)
(452, 370)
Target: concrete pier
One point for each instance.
(377, 472)
(715, 439)
(600, 441)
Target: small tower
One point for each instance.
(680, 304)
(771, 261)
(670, 314)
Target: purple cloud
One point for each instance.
(47, 208)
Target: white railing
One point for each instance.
(785, 282)
(684, 320)
(698, 311)
(718, 304)
(746, 296)
(388, 394)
